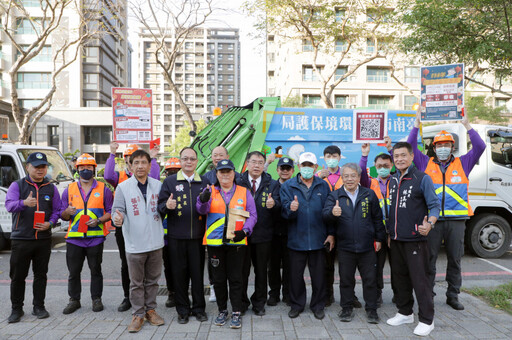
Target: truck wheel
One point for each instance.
(488, 236)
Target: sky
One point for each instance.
(252, 58)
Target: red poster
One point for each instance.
(369, 126)
(132, 111)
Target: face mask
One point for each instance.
(86, 174)
(332, 162)
(306, 172)
(443, 153)
(383, 172)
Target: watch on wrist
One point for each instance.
(431, 224)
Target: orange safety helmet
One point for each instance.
(443, 136)
(86, 159)
(130, 149)
(173, 163)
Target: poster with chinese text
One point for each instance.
(442, 92)
(369, 126)
(132, 111)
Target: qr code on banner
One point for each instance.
(144, 135)
(370, 128)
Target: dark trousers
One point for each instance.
(168, 269)
(315, 260)
(452, 232)
(381, 261)
(330, 259)
(246, 271)
(75, 257)
(227, 262)
(125, 276)
(23, 253)
(366, 263)
(260, 257)
(279, 259)
(410, 269)
(187, 257)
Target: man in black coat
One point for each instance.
(265, 191)
(360, 233)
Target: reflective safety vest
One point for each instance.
(337, 185)
(451, 188)
(215, 234)
(123, 176)
(164, 223)
(383, 201)
(93, 207)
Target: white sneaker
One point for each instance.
(400, 319)
(212, 298)
(423, 329)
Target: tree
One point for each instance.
(47, 28)
(331, 31)
(293, 101)
(480, 107)
(168, 24)
(183, 137)
(475, 32)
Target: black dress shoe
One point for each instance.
(97, 305)
(72, 306)
(293, 313)
(125, 305)
(372, 316)
(272, 301)
(346, 314)
(258, 312)
(319, 314)
(454, 303)
(15, 316)
(40, 312)
(200, 316)
(182, 318)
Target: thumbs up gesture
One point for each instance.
(336, 210)
(118, 218)
(294, 206)
(270, 201)
(30, 201)
(70, 210)
(171, 203)
(425, 228)
(205, 195)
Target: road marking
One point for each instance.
(497, 265)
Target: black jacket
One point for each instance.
(357, 228)
(264, 228)
(183, 222)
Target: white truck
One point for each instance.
(12, 167)
(488, 232)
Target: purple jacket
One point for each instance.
(468, 160)
(112, 177)
(366, 180)
(204, 208)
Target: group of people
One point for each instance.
(277, 225)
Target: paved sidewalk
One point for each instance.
(477, 321)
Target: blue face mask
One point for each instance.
(383, 172)
(306, 172)
(332, 162)
(443, 153)
(86, 174)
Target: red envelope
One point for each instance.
(82, 227)
(154, 142)
(38, 217)
(239, 225)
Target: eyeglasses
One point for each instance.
(186, 159)
(257, 162)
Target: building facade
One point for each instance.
(207, 74)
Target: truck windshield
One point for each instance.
(501, 150)
(57, 170)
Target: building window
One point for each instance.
(231, 77)
(231, 88)
(340, 71)
(210, 88)
(311, 101)
(91, 81)
(92, 103)
(230, 98)
(189, 56)
(97, 134)
(220, 67)
(221, 77)
(92, 55)
(25, 26)
(307, 45)
(44, 55)
(340, 14)
(220, 87)
(220, 56)
(409, 101)
(53, 136)
(189, 98)
(189, 67)
(231, 67)
(210, 77)
(341, 45)
(220, 97)
(379, 102)
(377, 75)
(230, 57)
(211, 46)
(189, 77)
(28, 103)
(308, 74)
(340, 102)
(501, 102)
(33, 80)
(412, 74)
(188, 87)
(189, 45)
(220, 46)
(230, 46)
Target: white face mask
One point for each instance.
(443, 153)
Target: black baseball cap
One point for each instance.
(285, 161)
(225, 164)
(37, 159)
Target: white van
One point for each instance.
(12, 167)
(488, 232)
